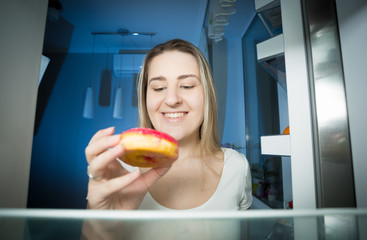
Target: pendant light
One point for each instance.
(118, 104)
(88, 109)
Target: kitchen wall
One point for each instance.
(219, 61)
(234, 128)
(58, 168)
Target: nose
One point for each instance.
(173, 97)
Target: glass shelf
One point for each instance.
(276, 68)
(270, 54)
(251, 224)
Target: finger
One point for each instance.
(101, 145)
(100, 163)
(117, 184)
(101, 133)
(152, 175)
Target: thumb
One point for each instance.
(121, 182)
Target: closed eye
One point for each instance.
(158, 89)
(187, 87)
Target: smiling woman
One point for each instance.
(176, 96)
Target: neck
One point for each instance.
(189, 148)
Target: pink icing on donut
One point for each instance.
(152, 132)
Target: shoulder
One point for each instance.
(236, 163)
(240, 169)
(231, 156)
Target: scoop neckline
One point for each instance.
(160, 206)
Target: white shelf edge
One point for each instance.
(270, 48)
(278, 145)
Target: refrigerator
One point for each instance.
(316, 59)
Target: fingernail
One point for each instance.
(110, 129)
(115, 138)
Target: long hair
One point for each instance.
(209, 142)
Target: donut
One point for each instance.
(148, 148)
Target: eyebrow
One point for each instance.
(187, 76)
(181, 77)
(159, 78)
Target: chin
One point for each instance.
(173, 132)
(178, 132)
(183, 136)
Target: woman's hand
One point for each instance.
(110, 185)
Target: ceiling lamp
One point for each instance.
(219, 11)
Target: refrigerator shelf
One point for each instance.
(278, 145)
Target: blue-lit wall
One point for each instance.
(234, 133)
(58, 167)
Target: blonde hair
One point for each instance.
(209, 142)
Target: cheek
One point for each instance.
(202, 110)
(152, 103)
(199, 103)
(202, 105)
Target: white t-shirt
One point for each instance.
(233, 192)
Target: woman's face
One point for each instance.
(175, 95)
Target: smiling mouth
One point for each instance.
(174, 115)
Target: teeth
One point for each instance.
(174, 115)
